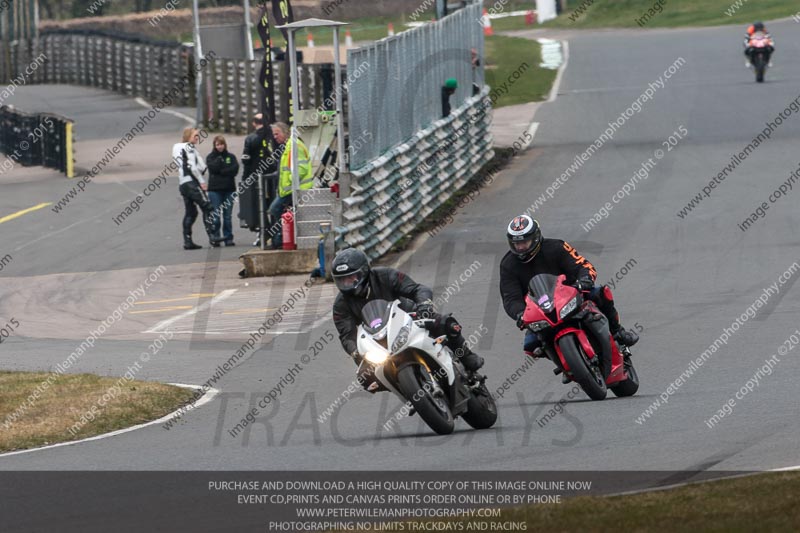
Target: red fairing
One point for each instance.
(532, 312)
(618, 372)
(582, 338)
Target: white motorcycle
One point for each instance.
(402, 357)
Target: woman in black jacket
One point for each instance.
(222, 168)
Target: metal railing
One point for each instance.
(42, 139)
(398, 90)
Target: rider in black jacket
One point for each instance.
(359, 284)
(531, 255)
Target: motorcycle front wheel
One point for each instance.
(416, 384)
(584, 373)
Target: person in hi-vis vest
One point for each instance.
(283, 199)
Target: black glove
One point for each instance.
(357, 357)
(424, 309)
(520, 322)
(584, 284)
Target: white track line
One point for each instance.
(178, 114)
(532, 132)
(207, 397)
(161, 326)
(561, 69)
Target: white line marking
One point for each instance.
(532, 132)
(207, 397)
(561, 69)
(161, 326)
(178, 114)
(408, 253)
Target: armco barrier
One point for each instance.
(41, 139)
(393, 193)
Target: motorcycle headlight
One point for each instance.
(401, 339)
(570, 307)
(376, 357)
(539, 325)
(381, 334)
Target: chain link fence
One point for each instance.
(400, 93)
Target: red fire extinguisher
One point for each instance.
(288, 230)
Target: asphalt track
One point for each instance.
(692, 277)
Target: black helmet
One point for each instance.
(524, 237)
(351, 271)
(758, 26)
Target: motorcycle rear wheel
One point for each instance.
(585, 374)
(414, 382)
(760, 67)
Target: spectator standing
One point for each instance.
(192, 186)
(448, 89)
(281, 134)
(257, 158)
(222, 170)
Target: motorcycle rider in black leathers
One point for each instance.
(358, 284)
(531, 255)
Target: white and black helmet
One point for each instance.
(351, 271)
(524, 237)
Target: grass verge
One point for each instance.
(514, 61)
(764, 502)
(670, 13)
(72, 396)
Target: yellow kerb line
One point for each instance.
(24, 211)
(190, 297)
(161, 309)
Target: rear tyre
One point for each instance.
(481, 409)
(416, 385)
(630, 386)
(584, 373)
(759, 66)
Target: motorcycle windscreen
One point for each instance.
(376, 315)
(542, 289)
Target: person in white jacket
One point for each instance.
(192, 185)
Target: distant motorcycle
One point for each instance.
(575, 336)
(402, 357)
(760, 47)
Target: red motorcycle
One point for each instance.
(575, 336)
(760, 47)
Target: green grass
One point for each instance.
(61, 405)
(764, 502)
(624, 13)
(504, 56)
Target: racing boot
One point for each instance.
(471, 361)
(456, 341)
(623, 336)
(188, 244)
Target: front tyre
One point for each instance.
(416, 384)
(481, 409)
(584, 373)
